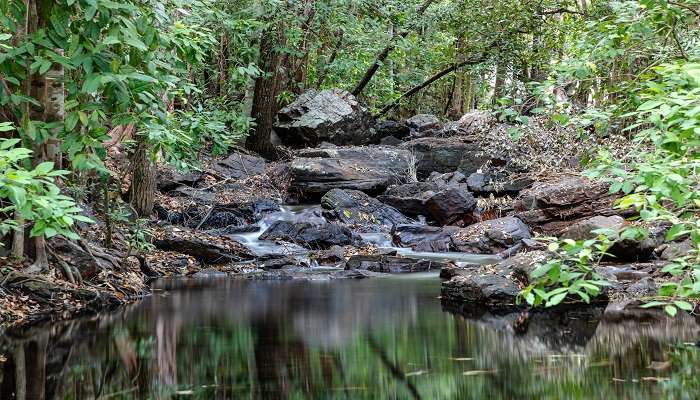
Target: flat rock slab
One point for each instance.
(393, 264)
(371, 169)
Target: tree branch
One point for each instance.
(429, 81)
(685, 6)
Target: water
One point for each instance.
(387, 338)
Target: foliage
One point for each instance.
(570, 271)
(32, 193)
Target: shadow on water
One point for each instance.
(385, 338)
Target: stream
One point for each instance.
(387, 338)
(382, 338)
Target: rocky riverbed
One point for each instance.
(392, 197)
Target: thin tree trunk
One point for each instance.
(265, 94)
(367, 77)
(331, 60)
(143, 180)
(500, 82)
(428, 82)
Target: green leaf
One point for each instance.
(675, 232)
(555, 300)
(44, 168)
(684, 305)
(653, 304)
(92, 83)
(671, 310)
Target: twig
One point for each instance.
(206, 217)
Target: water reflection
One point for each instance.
(373, 339)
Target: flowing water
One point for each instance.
(386, 338)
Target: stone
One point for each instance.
(390, 141)
(393, 264)
(88, 262)
(331, 115)
(421, 125)
(409, 198)
(452, 206)
(552, 207)
(673, 250)
(448, 180)
(370, 169)
(239, 166)
(491, 237)
(444, 155)
(424, 237)
(584, 229)
(170, 178)
(309, 235)
(208, 273)
(497, 184)
(391, 129)
(356, 208)
(491, 289)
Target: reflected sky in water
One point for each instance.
(384, 338)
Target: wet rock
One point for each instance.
(452, 206)
(354, 274)
(239, 166)
(170, 178)
(424, 237)
(277, 263)
(392, 264)
(235, 230)
(493, 289)
(409, 198)
(370, 169)
(444, 155)
(331, 115)
(333, 255)
(499, 184)
(551, 207)
(209, 273)
(390, 141)
(491, 237)
(421, 125)
(356, 208)
(310, 235)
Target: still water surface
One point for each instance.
(386, 338)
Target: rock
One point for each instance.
(409, 198)
(448, 180)
(491, 237)
(371, 169)
(333, 255)
(674, 250)
(392, 264)
(240, 166)
(628, 249)
(358, 209)
(423, 125)
(208, 273)
(390, 129)
(451, 206)
(277, 263)
(354, 274)
(204, 248)
(494, 289)
(551, 207)
(486, 183)
(390, 141)
(310, 235)
(471, 123)
(445, 155)
(331, 115)
(169, 178)
(424, 237)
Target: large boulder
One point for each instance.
(434, 154)
(409, 198)
(309, 235)
(356, 208)
(331, 115)
(370, 169)
(390, 129)
(452, 206)
(203, 247)
(491, 237)
(551, 207)
(239, 166)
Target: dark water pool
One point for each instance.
(370, 339)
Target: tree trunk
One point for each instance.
(499, 84)
(367, 77)
(143, 181)
(265, 93)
